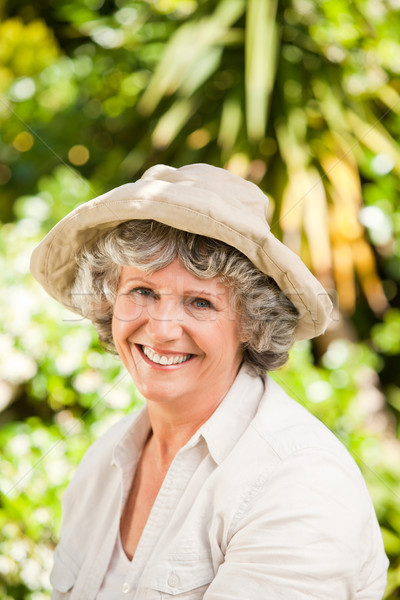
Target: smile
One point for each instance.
(162, 359)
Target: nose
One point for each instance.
(164, 322)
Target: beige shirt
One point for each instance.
(262, 503)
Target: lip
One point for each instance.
(161, 352)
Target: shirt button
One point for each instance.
(125, 588)
(173, 580)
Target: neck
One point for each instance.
(172, 430)
(174, 422)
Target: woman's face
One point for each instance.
(177, 334)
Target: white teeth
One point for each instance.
(161, 359)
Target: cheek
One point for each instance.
(116, 332)
(126, 313)
(224, 336)
(124, 321)
(234, 339)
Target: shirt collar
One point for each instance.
(232, 417)
(127, 450)
(221, 432)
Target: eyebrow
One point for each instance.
(188, 292)
(137, 280)
(198, 293)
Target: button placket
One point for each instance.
(175, 482)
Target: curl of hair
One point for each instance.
(267, 318)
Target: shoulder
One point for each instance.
(303, 486)
(90, 504)
(96, 463)
(104, 445)
(102, 448)
(288, 428)
(287, 454)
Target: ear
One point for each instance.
(243, 337)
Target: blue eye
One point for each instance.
(202, 303)
(141, 291)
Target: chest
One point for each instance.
(176, 528)
(171, 507)
(144, 490)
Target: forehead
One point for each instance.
(174, 276)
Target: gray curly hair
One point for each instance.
(267, 318)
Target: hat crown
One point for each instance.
(238, 193)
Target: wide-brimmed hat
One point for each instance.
(197, 198)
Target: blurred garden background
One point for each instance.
(300, 96)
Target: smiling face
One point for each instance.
(177, 335)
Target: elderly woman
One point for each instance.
(222, 487)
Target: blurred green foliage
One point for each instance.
(303, 98)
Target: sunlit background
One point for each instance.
(300, 96)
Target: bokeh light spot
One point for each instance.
(318, 391)
(78, 155)
(126, 16)
(292, 90)
(5, 174)
(198, 139)
(268, 146)
(382, 164)
(108, 37)
(23, 141)
(23, 89)
(377, 223)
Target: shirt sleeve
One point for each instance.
(309, 532)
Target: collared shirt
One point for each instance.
(263, 502)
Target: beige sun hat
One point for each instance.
(196, 198)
